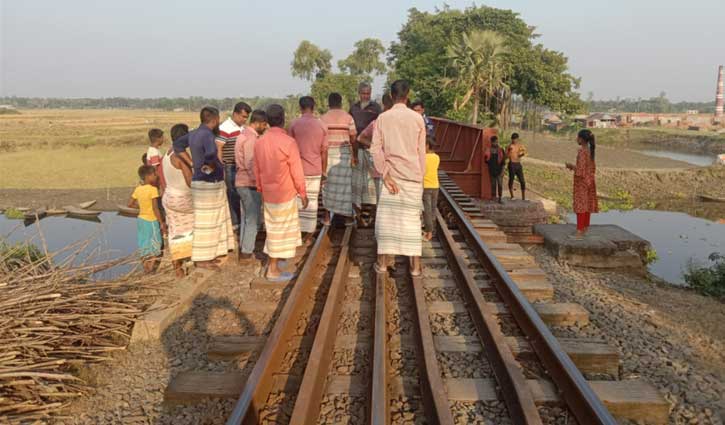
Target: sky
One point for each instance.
(224, 48)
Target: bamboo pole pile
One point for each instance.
(54, 318)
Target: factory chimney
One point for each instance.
(719, 96)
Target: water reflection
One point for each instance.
(677, 237)
(112, 237)
(690, 158)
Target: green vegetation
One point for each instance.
(14, 214)
(656, 105)
(708, 280)
(315, 64)
(537, 75)
(13, 256)
(479, 69)
(8, 111)
(651, 256)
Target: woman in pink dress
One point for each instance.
(585, 188)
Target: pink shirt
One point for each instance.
(340, 126)
(244, 157)
(398, 144)
(278, 167)
(311, 136)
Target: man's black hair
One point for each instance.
(155, 133)
(514, 136)
(494, 139)
(242, 106)
(207, 114)
(307, 102)
(417, 103)
(334, 100)
(258, 115)
(387, 101)
(399, 90)
(145, 170)
(275, 115)
(178, 130)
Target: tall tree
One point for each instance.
(478, 62)
(342, 83)
(365, 60)
(310, 62)
(537, 74)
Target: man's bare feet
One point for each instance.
(209, 265)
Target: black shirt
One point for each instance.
(364, 116)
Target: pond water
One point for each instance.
(690, 158)
(677, 237)
(113, 236)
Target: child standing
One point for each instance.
(150, 223)
(430, 188)
(153, 154)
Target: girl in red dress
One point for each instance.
(585, 188)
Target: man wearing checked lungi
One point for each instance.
(213, 232)
(311, 136)
(398, 151)
(280, 179)
(341, 158)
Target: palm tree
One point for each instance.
(479, 68)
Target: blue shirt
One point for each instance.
(203, 151)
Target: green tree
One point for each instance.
(310, 62)
(342, 83)
(537, 74)
(478, 62)
(365, 60)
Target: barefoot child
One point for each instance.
(150, 224)
(430, 188)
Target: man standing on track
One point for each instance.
(364, 113)
(225, 141)
(398, 152)
(341, 136)
(311, 136)
(280, 179)
(213, 233)
(514, 152)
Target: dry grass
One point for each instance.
(54, 321)
(78, 149)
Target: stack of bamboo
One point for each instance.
(54, 319)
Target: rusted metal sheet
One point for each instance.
(461, 148)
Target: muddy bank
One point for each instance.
(106, 199)
(670, 190)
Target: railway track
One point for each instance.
(468, 341)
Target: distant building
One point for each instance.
(601, 120)
(552, 121)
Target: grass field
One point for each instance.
(83, 149)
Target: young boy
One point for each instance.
(150, 223)
(495, 158)
(514, 152)
(153, 154)
(430, 188)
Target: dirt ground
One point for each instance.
(106, 199)
(672, 337)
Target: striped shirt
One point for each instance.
(340, 126)
(228, 132)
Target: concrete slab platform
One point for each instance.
(604, 246)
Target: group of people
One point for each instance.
(230, 177)
(495, 158)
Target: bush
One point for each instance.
(708, 280)
(19, 254)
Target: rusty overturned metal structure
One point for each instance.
(461, 148)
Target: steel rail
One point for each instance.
(433, 390)
(259, 384)
(516, 392)
(573, 388)
(311, 392)
(379, 401)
